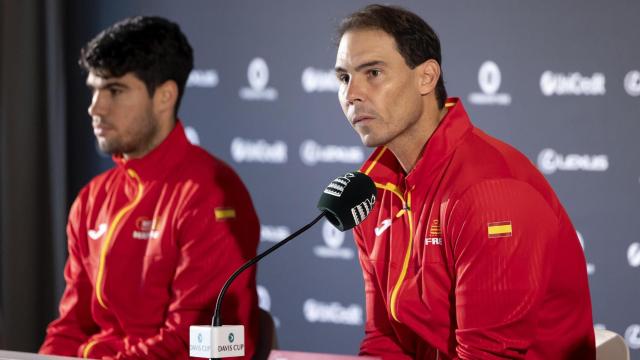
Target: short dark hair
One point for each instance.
(415, 39)
(153, 48)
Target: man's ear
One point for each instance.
(166, 96)
(428, 76)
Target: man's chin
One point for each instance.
(370, 141)
(108, 148)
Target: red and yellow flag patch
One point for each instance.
(225, 213)
(499, 229)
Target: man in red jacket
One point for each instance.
(152, 240)
(468, 253)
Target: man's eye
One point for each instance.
(343, 78)
(114, 91)
(374, 72)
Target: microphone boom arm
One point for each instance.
(216, 320)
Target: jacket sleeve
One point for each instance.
(379, 339)
(210, 250)
(502, 233)
(74, 325)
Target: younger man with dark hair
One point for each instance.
(152, 240)
(468, 254)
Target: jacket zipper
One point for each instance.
(407, 257)
(112, 229)
(406, 210)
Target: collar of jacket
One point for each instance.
(160, 160)
(383, 167)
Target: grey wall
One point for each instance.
(552, 84)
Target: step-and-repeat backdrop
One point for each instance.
(558, 80)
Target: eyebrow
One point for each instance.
(339, 69)
(108, 85)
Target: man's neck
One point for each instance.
(408, 148)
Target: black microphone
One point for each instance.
(345, 202)
(348, 200)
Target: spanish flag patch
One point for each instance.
(225, 213)
(499, 229)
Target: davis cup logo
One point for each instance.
(333, 239)
(332, 236)
(258, 77)
(231, 337)
(489, 79)
(632, 83)
(633, 254)
(591, 268)
(258, 74)
(632, 336)
(192, 135)
(264, 299)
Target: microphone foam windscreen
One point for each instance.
(348, 200)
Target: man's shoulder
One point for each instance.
(201, 167)
(482, 156)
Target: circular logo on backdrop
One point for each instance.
(581, 239)
(633, 254)
(258, 74)
(591, 268)
(632, 83)
(192, 135)
(332, 236)
(231, 337)
(199, 338)
(632, 336)
(264, 299)
(489, 77)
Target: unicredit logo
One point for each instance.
(633, 254)
(632, 83)
(549, 161)
(261, 151)
(203, 78)
(572, 84)
(312, 153)
(334, 313)
(272, 233)
(316, 80)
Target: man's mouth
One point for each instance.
(361, 119)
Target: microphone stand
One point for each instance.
(216, 320)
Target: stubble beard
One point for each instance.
(133, 142)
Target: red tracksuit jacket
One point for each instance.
(151, 242)
(471, 255)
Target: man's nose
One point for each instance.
(355, 91)
(98, 104)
